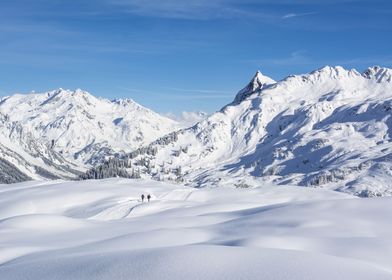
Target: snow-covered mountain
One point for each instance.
(331, 127)
(23, 157)
(83, 128)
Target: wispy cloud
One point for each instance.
(196, 90)
(187, 119)
(211, 9)
(178, 94)
(295, 58)
(191, 9)
(293, 15)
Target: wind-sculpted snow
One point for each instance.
(100, 229)
(330, 128)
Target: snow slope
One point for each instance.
(84, 128)
(101, 230)
(23, 157)
(331, 128)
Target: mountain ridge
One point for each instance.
(61, 133)
(81, 126)
(329, 128)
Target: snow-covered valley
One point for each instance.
(195, 140)
(99, 229)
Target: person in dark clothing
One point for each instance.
(148, 197)
(142, 197)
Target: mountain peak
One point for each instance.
(124, 101)
(260, 79)
(68, 92)
(67, 95)
(380, 74)
(258, 82)
(331, 72)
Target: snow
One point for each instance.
(85, 129)
(29, 156)
(258, 82)
(329, 128)
(188, 119)
(99, 229)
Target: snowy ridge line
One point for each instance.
(83, 128)
(61, 133)
(330, 128)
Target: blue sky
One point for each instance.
(175, 55)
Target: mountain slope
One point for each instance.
(331, 128)
(84, 128)
(22, 157)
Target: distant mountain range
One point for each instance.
(73, 129)
(329, 128)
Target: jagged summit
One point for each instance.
(123, 100)
(334, 72)
(323, 74)
(79, 96)
(66, 92)
(377, 73)
(258, 82)
(126, 102)
(380, 74)
(260, 78)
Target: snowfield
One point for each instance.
(99, 229)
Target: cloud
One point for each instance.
(295, 58)
(179, 94)
(187, 119)
(293, 15)
(203, 91)
(192, 9)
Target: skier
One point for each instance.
(142, 197)
(148, 197)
